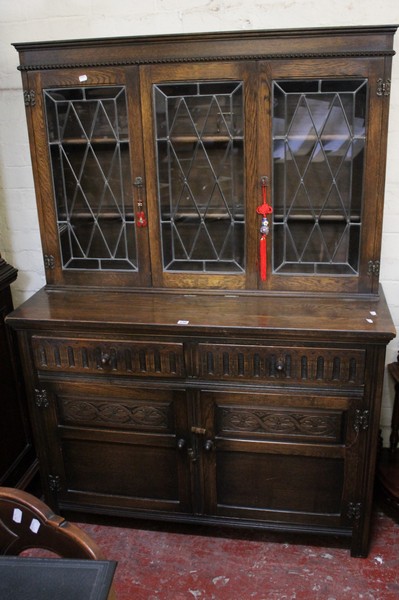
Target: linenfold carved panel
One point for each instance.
(118, 357)
(283, 364)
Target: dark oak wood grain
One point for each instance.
(208, 396)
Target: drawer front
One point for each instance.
(159, 359)
(280, 364)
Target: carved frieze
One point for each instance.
(131, 415)
(281, 423)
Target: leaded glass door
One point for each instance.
(323, 198)
(199, 147)
(319, 129)
(93, 140)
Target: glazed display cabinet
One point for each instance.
(210, 344)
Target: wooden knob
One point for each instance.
(208, 445)
(181, 443)
(105, 358)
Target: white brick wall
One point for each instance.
(41, 19)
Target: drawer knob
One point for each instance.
(105, 358)
(280, 365)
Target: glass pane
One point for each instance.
(88, 140)
(200, 163)
(319, 138)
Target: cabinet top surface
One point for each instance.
(189, 314)
(211, 35)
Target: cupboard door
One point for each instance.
(87, 125)
(325, 183)
(116, 447)
(199, 122)
(297, 455)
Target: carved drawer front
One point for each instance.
(283, 364)
(109, 357)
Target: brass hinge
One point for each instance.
(49, 261)
(373, 267)
(54, 483)
(30, 98)
(41, 399)
(354, 511)
(361, 421)
(383, 87)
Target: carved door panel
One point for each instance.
(115, 446)
(295, 453)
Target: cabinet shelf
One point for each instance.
(325, 218)
(103, 216)
(205, 139)
(86, 141)
(330, 137)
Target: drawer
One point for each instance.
(119, 357)
(281, 364)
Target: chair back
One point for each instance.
(26, 522)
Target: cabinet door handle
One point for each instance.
(208, 445)
(181, 443)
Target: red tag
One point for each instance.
(141, 219)
(262, 257)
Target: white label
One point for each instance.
(182, 322)
(369, 320)
(82, 78)
(373, 313)
(17, 515)
(34, 526)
